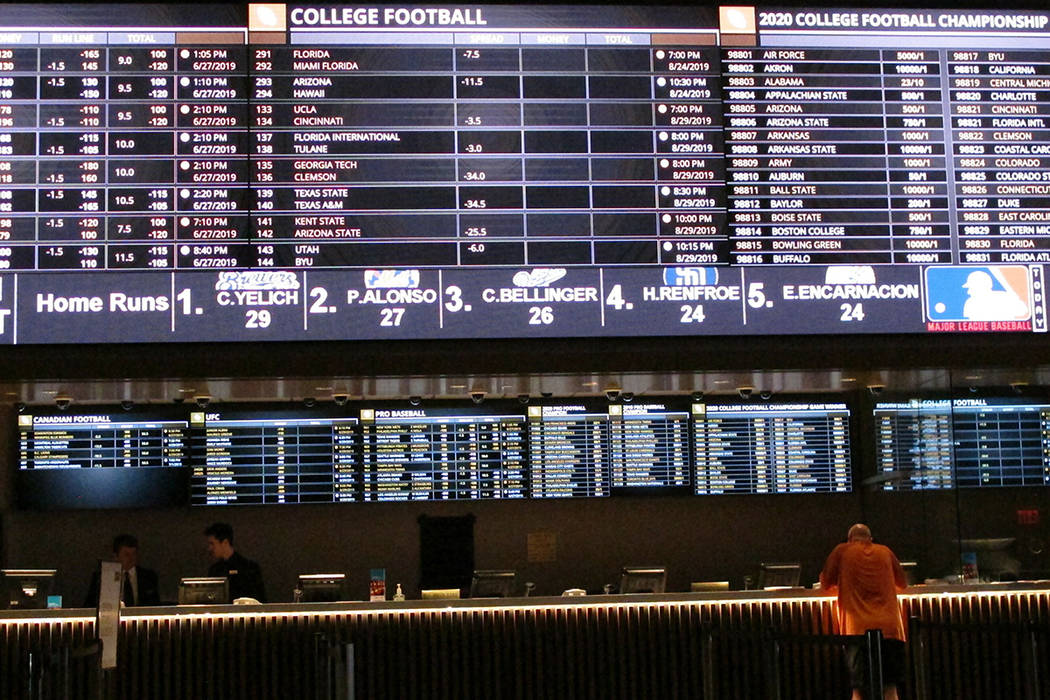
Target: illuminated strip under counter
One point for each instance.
(284, 610)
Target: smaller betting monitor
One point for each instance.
(322, 588)
(910, 567)
(643, 579)
(205, 590)
(439, 594)
(492, 583)
(26, 589)
(779, 575)
(102, 457)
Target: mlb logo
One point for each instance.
(989, 293)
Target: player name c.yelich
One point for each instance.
(530, 295)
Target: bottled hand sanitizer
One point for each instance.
(398, 593)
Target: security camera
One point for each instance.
(477, 396)
(612, 394)
(20, 407)
(340, 399)
(202, 401)
(178, 399)
(127, 404)
(523, 398)
(876, 389)
(745, 391)
(1018, 387)
(546, 394)
(309, 401)
(627, 396)
(63, 402)
(765, 395)
(415, 400)
(698, 396)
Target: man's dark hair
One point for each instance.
(124, 540)
(220, 531)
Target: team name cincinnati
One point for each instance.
(851, 291)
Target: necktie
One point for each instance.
(128, 596)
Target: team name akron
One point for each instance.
(117, 302)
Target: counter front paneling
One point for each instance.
(702, 645)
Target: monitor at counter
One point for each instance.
(909, 568)
(27, 589)
(643, 579)
(322, 588)
(779, 575)
(208, 590)
(492, 584)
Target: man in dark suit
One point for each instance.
(140, 584)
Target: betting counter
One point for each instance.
(645, 645)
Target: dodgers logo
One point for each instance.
(989, 293)
(538, 277)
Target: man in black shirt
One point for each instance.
(244, 575)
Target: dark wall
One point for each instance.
(697, 538)
(709, 538)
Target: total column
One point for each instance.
(142, 167)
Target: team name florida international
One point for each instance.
(401, 16)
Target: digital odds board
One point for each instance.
(273, 172)
(925, 444)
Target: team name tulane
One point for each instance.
(118, 302)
